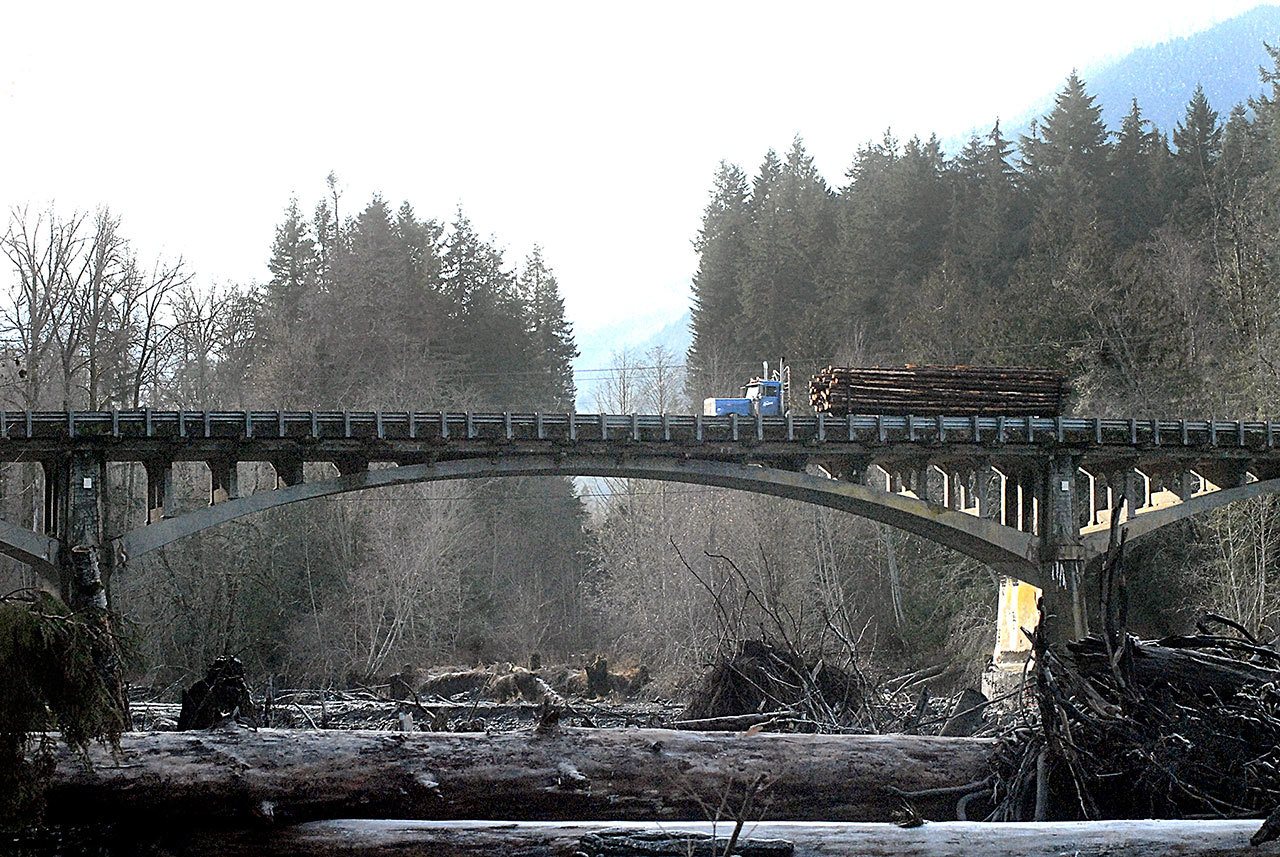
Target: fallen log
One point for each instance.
(237, 774)
(735, 722)
(368, 838)
(1174, 661)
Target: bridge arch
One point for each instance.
(34, 549)
(1007, 550)
(1145, 523)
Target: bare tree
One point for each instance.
(663, 381)
(88, 320)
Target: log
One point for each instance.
(234, 775)
(366, 838)
(933, 390)
(1170, 661)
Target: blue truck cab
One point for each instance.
(763, 396)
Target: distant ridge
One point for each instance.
(1224, 59)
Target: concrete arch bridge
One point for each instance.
(1030, 497)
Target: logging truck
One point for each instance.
(767, 396)
(902, 391)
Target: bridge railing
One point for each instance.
(18, 426)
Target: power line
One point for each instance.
(1027, 345)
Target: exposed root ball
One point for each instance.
(763, 677)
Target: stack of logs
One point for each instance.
(933, 390)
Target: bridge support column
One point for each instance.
(1016, 603)
(1184, 483)
(1131, 485)
(351, 464)
(55, 493)
(288, 471)
(1231, 473)
(84, 558)
(159, 489)
(224, 482)
(989, 487)
(1062, 552)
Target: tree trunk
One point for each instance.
(632, 774)
(365, 838)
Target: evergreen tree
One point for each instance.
(1197, 141)
(282, 333)
(1070, 251)
(1003, 213)
(552, 334)
(1070, 142)
(1136, 198)
(294, 268)
(870, 239)
(490, 332)
(421, 242)
(716, 311)
(762, 262)
(984, 237)
(366, 300)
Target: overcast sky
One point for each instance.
(591, 128)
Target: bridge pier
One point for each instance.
(75, 496)
(1054, 496)
(1062, 558)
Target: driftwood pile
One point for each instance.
(933, 390)
(504, 682)
(1183, 727)
(499, 697)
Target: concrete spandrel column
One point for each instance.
(1130, 484)
(990, 489)
(288, 471)
(54, 509)
(159, 489)
(223, 481)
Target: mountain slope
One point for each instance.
(1224, 59)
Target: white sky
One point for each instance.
(592, 128)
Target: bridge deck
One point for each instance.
(131, 434)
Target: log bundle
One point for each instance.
(938, 390)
